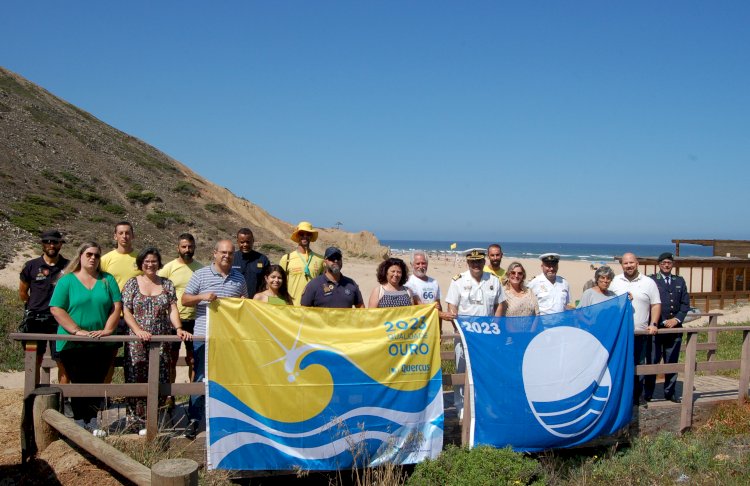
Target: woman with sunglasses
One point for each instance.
(87, 303)
(520, 300)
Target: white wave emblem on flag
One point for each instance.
(566, 379)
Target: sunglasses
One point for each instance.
(91, 255)
(50, 242)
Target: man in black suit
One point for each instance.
(675, 304)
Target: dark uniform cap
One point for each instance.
(475, 254)
(52, 235)
(331, 251)
(550, 257)
(666, 256)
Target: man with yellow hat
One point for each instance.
(303, 264)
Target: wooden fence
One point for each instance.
(153, 389)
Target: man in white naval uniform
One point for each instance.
(472, 293)
(551, 290)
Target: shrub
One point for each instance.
(184, 187)
(272, 248)
(215, 208)
(482, 465)
(115, 209)
(162, 219)
(11, 312)
(35, 213)
(143, 197)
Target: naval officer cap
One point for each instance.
(550, 258)
(665, 256)
(475, 254)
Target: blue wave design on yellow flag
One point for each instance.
(322, 389)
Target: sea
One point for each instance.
(589, 252)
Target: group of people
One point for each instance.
(130, 292)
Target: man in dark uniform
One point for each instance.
(675, 304)
(249, 262)
(37, 282)
(332, 289)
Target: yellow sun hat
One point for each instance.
(307, 227)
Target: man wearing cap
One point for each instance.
(551, 290)
(644, 296)
(472, 293)
(332, 289)
(494, 257)
(301, 265)
(37, 282)
(249, 262)
(675, 304)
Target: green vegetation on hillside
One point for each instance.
(11, 313)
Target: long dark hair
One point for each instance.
(283, 290)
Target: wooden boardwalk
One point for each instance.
(707, 389)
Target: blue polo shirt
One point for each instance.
(322, 292)
(208, 279)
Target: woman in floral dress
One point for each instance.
(149, 305)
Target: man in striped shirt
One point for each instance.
(216, 281)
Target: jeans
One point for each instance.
(197, 407)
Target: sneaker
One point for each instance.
(95, 430)
(67, 409)
(191, 430)
(142, 432)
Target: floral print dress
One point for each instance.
(151, 312)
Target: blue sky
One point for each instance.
(526, 121)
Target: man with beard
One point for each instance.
(332, 289)
(301, 265)
(551, 290)
(37, 282)
(646, 301)
(179, 272)
(215, 281)
(425, 289)
(249, 262)
(472, 293)
(495, 256)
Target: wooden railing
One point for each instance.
(40, 375)
(688, 367)
(153, 389)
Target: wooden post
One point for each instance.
(44, 435)
(686, 417)
(31, 377)
(152, 399)
(175, 472)
(468, 404)
(742, 393)
(120, 462)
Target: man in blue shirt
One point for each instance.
(332, 289)
(250, 263)
(215, 281)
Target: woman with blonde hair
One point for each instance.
(520, 300)
(87, 303)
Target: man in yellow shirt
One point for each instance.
(494, 257)
(179, 272)
(120, 262)
(301, 265)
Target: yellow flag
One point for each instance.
(453, 246)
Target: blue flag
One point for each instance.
(550, 381)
